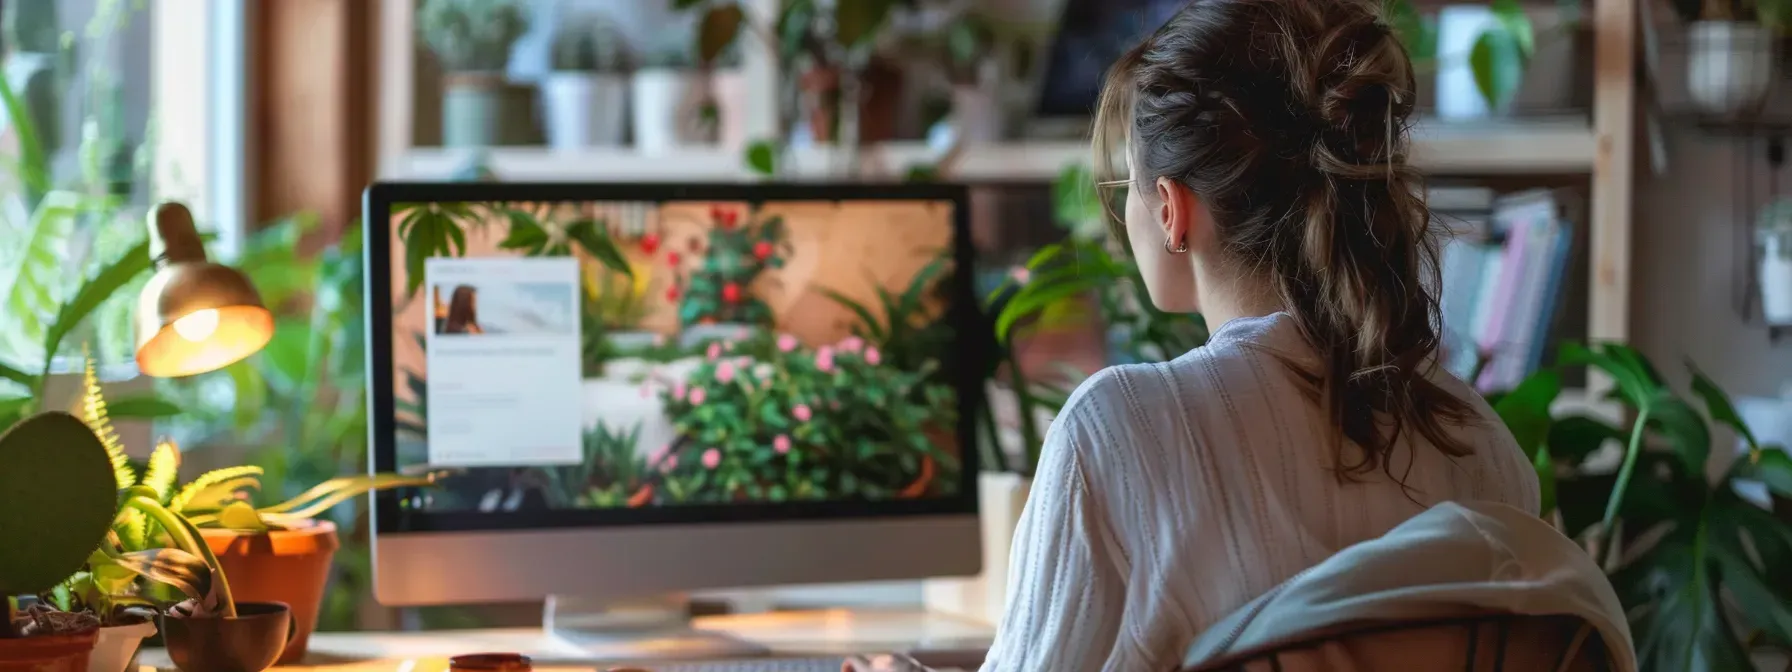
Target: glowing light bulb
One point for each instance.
(198, 325)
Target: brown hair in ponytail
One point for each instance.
(1288, 118)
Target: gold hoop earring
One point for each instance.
(1173, 247)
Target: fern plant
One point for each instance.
(215, 498)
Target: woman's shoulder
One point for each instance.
(1140, 401)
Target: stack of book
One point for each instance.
(1504, 271)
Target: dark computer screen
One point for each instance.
(1091, 36)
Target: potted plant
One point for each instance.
(278, 554)
(56, 499)
(472, 40)
(715, 294)
(1730, 52)
(848, 94)
(1478, 52)
(586, 93)
(668, 101)
(1774, 233)
(1700, 570)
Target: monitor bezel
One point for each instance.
(968, 361)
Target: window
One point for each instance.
(115, 105)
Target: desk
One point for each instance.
(794, 633)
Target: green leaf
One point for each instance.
(1575, 438)
(143, 406)
(1684, 429)
(33, 168)
(1417, 31)
(176, 569)
(1498, 64)
(1526, 410)
(17, 376)
(94, 292)
(1512, 19)
(1772, 468)
(240, 515)
(595, 240)
(1762, 605)
(762, 158)
(1681, 630)
(1718, 405)
(717, 30)
(1632, 377)
(858, 23)
(212, 487)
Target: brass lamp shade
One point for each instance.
(194, 316)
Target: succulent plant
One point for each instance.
(592, 46)
(57, 499)
(472, 35)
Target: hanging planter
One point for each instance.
(1729, 65)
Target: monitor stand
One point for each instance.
(641, 630)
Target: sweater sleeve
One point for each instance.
(1065, 595)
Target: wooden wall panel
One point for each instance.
(310, 108)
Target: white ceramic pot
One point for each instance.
(1458, 26)
(584, 109)
(977, 114)
(116, 649)
(1776, 278)
(1001, 497)
(664, 103)
(1728, 66)
(730, 90)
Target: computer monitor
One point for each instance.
(634, 390)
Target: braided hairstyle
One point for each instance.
(1289, 119)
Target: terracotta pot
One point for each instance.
(287, 566)
(251, 642)
(62, 653)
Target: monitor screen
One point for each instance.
(1091, 36)
(620, 361)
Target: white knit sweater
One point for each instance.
(1170, 494)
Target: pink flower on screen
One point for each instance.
(852, 344)
(824, 359)
(786, 343)
(659, 453)
(646, 391)
(670, 463)
(725, 372)
(1020, 274)
(678, 391)
(781, 444)
(872, 357)
(715, 350)
(802, 413)
(712, 458)
(697, 396)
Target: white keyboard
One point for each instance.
(744, 665)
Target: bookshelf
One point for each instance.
(1602, 150)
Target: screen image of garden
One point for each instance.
(724, 353)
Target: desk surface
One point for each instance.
(797, 633)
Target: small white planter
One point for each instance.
(585, 109)
(117, 647)
(1728, 66)
(664, 102)
(729, 87)
(1001, 497)
(1776, 277)
(977, 113)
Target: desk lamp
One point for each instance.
(194, 315)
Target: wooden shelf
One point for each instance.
(1530, 147)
